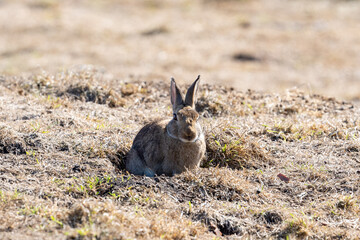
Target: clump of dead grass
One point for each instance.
(96, 94)
(227, 148)
(296, 227)
(210, 106)
(347, 203)
(224, 101)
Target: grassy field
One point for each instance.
(63, 140)
(79, 80)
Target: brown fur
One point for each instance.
(169, 147)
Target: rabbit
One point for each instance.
(170, 147)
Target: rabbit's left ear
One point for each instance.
(190, 98)
(175, 95)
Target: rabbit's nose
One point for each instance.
(189, 134)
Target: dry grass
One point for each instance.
(280, 164)
(62, 163)
(254, 44)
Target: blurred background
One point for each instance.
(268, 45)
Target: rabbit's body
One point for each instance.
(169, 147)
(154, 151)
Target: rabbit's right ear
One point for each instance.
(190, 98)
(176, 97)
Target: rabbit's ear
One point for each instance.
(190, 98)
(176, 97)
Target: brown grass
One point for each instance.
(79, 79)
(62, 164)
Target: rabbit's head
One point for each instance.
(184, 125)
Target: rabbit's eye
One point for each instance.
(175, 117)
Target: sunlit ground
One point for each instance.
(262, 45)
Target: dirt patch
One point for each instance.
(10, 142)
(219, 225)
(155, 31)
(271, 217)
(245, 57)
